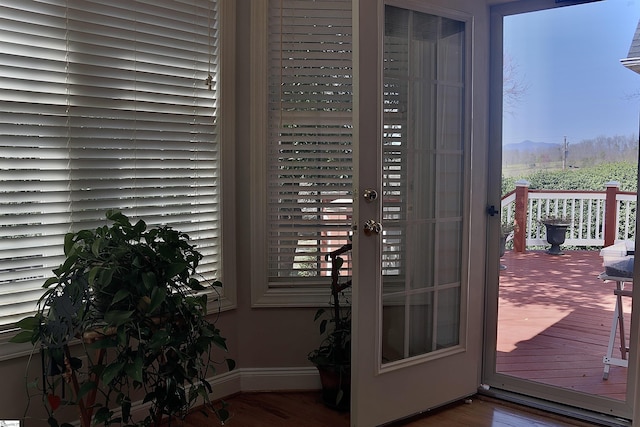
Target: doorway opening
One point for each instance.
(569, 149)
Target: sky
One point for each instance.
(568, 59)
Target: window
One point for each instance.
(307, 157)
(112, 106)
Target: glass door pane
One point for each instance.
(423, 182)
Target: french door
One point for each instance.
(419, 254)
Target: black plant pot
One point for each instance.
(336, 386)
(556, 234)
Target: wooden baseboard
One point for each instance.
(253, 380)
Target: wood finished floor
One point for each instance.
(554, 323)
(554, 319)
(304, 409)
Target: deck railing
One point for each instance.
(597, 218)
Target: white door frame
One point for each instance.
(530, 392)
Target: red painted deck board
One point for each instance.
(554, 320)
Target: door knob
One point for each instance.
(372, 227)
(370, 195)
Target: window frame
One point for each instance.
(264, 293)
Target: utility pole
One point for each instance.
(565, 153)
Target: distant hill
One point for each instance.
(528, 146)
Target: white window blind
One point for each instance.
(310, 136)
(106, 104)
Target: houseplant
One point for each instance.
(556, 230)
(127, 293)
(333, 356)
(506, 230)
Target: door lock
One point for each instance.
(370, 195)
(372, 227)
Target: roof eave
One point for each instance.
(631, 63)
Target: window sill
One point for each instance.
(292, 297)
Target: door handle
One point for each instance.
(492, 211)
(370, 195)
(372, 227)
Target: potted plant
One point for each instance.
(333, 357)
(127, 293)
(506, 230)
(556, 230)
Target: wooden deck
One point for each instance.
(554, 320)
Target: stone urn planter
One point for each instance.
(556, 229)
(506, 232)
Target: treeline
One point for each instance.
(588, 178)
(586, 153)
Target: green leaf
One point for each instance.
(66, 266)
(149, 280)
(134, 370)
(117, 216)
(176, 268)
(118, 317)
(158, 296)
(231, 364)
(120, 295)
(95, 247)
(323, 326)
(75, 363)
(195, 285)
(139, 227)
(93, 273)
(319, 313)
(105, 275)
(69, 241)
(50, 281)
(220, 342)
(111, 371)
(206, 388)
(29, 323)
(159, 339)
(103, 414)
(121, 335)
(149, 397)
(22, 337)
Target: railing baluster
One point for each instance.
(573, 218)
(627, 221)
(589, 218)
(598, 228)
(580, 220)
(618, 206)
